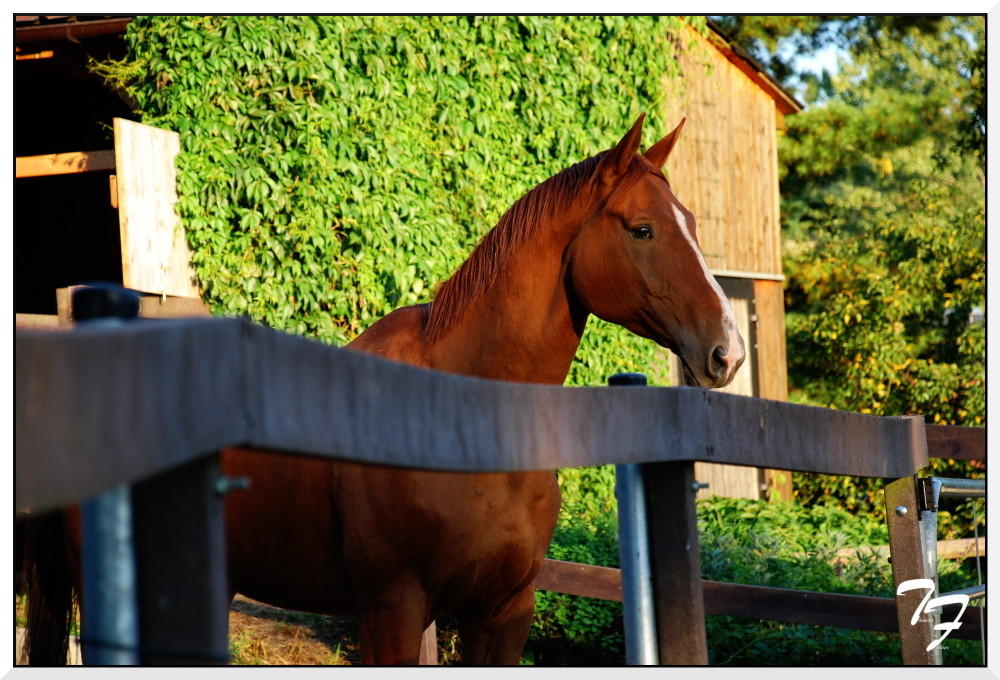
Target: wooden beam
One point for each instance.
(180, 547)
(675, 563)
(954, 549)
(602, 583)
(909, 564)
(150, 307)
(763, 603)
(856, 612)
(36, 321)
(64, 163)
(772, 371)
(957, 443)
(184, 387)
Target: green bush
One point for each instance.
(577, 630)
(782, 545)
(785, 545)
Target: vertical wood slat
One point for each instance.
(429, 646)
(736, 481)
(676, 564)
(155, 254)
(772, 378)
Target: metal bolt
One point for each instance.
(224, 485)
(900, 510)
(697, 486)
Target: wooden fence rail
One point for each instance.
(134, 400)
(762, 603)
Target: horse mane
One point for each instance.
(481, 268)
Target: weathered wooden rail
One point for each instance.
(134, 400)
(134, 404)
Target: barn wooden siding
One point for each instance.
(725, 170)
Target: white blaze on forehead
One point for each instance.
(728, 318)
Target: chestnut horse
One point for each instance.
(400, 547)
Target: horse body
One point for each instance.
(400, 547)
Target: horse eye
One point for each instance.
(642, 232)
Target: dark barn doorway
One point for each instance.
(65, 228)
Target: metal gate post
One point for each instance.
(633, 542)
(109, 616)
(637, 581)
(909, 564)
(109, 613)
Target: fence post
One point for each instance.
(633, 541)
(183, 587)
(109, 616)
(674, 565)
(909, 564)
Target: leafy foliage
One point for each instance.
(885, 214)
(589, 632)
(789, 545)
(777, 544)
(335, 168)
(883, 209)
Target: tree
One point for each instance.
(885, 215)
(883, 210)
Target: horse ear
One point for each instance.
(657, 154)
(616, 161)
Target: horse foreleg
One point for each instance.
(49, 573)
(497, 637)
(392, 625)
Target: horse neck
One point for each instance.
(526, 325)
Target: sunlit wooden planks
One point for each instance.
(725, 167)
(64, 163)
(155, 254)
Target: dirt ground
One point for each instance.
(263, 635)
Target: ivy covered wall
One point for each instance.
(335, 168)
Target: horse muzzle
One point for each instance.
(718, 366)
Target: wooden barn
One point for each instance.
(87, 209)
(725, 170)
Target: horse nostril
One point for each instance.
(719, 363)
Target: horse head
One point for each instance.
(636, 262)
